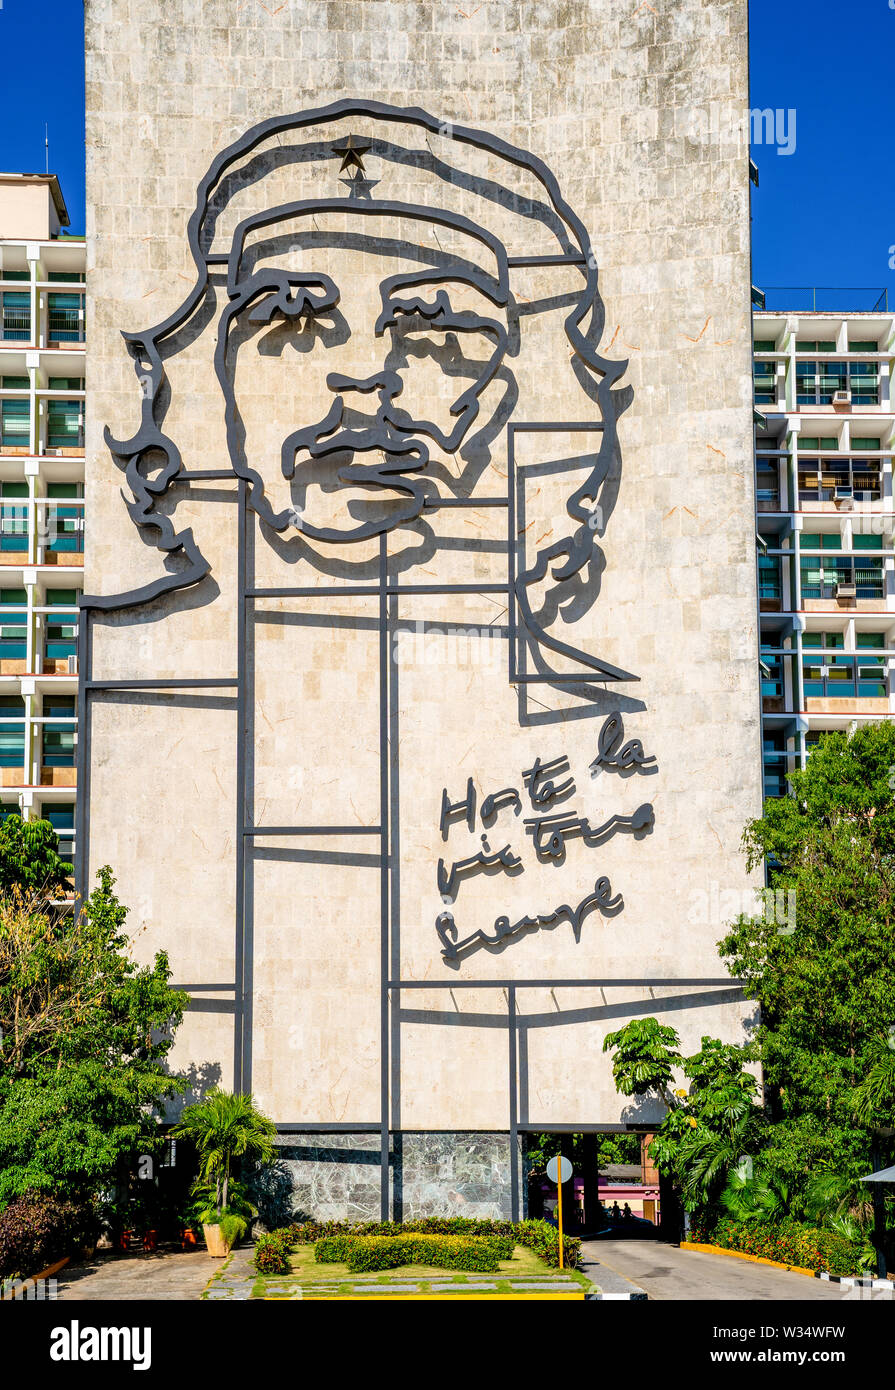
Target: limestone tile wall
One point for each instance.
(606, 93)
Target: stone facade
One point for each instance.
(336, 1176)
(339, 688)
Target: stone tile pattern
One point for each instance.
(336, 1177)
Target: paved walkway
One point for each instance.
(667, 1273)
(160, 1277)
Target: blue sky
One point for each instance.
(42, 42)
(824, 215)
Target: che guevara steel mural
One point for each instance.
(396, 457)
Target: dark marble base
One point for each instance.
(336, 1176)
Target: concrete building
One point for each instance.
(825, 519)
(42, 377)
(420, 650)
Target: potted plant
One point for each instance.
(222, 1226)
(227, 1130)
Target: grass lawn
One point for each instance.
(335, 1280)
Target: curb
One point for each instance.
(741, 1255)
(636, 1295)
(850, 1281)
(855, 1281)
(607, 1285)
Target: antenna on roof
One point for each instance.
(47, 145)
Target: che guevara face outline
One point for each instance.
(366, 415)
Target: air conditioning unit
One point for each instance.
(72, 665)
(842, 397)
(846, 591)
(844, 498)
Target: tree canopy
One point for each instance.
(827, 988)
(84, 1033)
(29, 857)
(825, 983)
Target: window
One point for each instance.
(862, 345)
(65, 318)
(824, 480)
(62, 819)
(764, 376)
(59, 739)
(12, 731)
(13, 625)
(815, 345)
(817, 383)
(65, 489)
(828, 541)
(865, 442)
(868, 578)
(66, 383)
(65, 597)
(768, 577)
(13, 519)
(765, 345)
(771, 673)
(830, 676)
(767, 491)
(15, 275)
(65, 424)
(813, 441)
(15, 383)
(863, 380)
(65, 529)
(61, 639)
(73, 277)
(827, 675)
(15, 316)
(774, 757)
(821, 576)
(872, 681)
(15, 424)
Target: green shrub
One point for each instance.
(333, 1249)
(335, 1237)
(787, 1242)
(272, 1253)
(364, 1253)
(543, 1240)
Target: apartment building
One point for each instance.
(42, 355)
(825, 518)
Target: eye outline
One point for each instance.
(440, 313)
(290, 295)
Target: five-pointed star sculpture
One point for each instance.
(352, 151)
(359, 186)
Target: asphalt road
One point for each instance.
(667, 1273)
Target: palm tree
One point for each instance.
(224, 1127)
(876, 1093)
(752, 1195)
